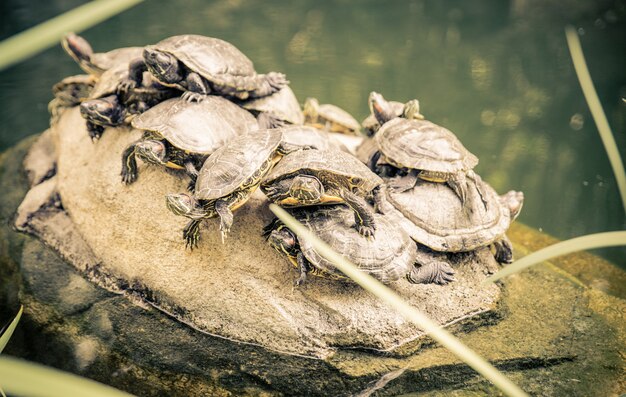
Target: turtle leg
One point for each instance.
(404, 183)
(267, 84)
(135, 76)
(222, 208)
(430, 268)
(379, 195)
(197, 89)
(94, 130)
(304, 267)
(379, 168)
(459, 184)
(504, 250)
(191, 233)
(129, 164)
(478, 182)
(192, 171)
(363, 215)
(267, 120)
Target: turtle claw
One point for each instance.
(366, 231)
(125, 86)
(128, 177)
(190, 96)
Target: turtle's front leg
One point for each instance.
(192, 171)
(267, 120)
(504, 250)
(363, 215)
(191, 233)
(135, 77)
(434, 272)
(304, 268)
(222, 207)
(459, 185)
(129, 164)
(197, 89)
(94, 130)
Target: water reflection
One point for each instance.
(497, 73)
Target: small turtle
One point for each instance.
(96, 63)
(227, 179)
(387, 257)
(276, 110)
(199, 65)
(70, 92)
(307, 136)
(433, 216)
(418, 149)
(313, 177)
(105, 108)
(180, 135)
(330, 118)
(388, 110)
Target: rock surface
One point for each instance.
(559, 337)
(124, 239)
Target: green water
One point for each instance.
(496, 73)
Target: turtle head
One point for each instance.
(380, 108)
(163, 66)
(78, 48)
(306, 189)
(184, 205)
(412, 110)
(106, 111)
(151, 151)
(281, 238)
(513, 200)
(311, 108)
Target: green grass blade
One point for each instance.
(26, 44)
(6, 334)
(22, 378)
(598, 240)
(395, 301)
(596, 110)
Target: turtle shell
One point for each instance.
(423, 145)
(303, 135)
(335, 114)
(388, 256)
(283, 104)
(71, 90)
(325, 164)
(196, 127)
(208, 56)
(234, 163)
(109, 80)
(106, 60)
(432, 214)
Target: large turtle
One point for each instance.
(227, 179)
(418, 149)
(433, 216)
(106, 108)
(96, 63)
(389, 256)
(180, 135)
(330, 118)
(70, 92)
(313, 177)
(276, 110)
(388, 110)
(199, 65)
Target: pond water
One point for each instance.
(497, 73)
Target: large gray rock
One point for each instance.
(558, 337)
(124, 239)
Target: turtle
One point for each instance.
(70, 92)
(199, 65)
(304, 135)
(313, 177)
(106, 108)
(414, 149)
(388, 110)
(95, 63)
(388, 257)
(275, 110)
(433, 216)
(330, 118)
(180, 135)
(227, 179)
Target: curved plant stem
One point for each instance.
(6, 334)
(396, 302)
(26, 44)
(598, 240)
(596, 110)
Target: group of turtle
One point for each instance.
(394, 206)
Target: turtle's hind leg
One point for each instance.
(191, 233)
(363, 215)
